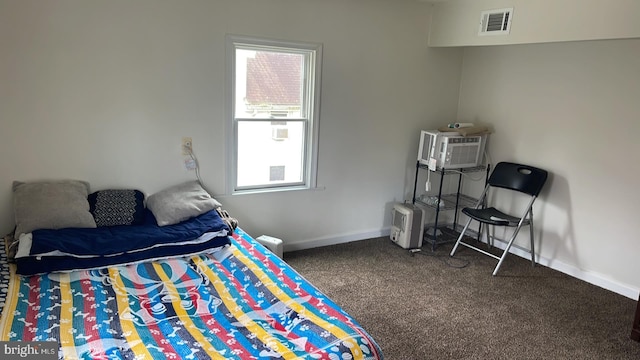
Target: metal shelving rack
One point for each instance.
(452, 201)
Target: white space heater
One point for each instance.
(407, 226)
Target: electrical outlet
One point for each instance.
(187, 146)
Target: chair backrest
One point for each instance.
(523, 178)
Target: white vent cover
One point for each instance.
(495, 22)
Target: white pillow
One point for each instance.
(51, 205)
(180, 202)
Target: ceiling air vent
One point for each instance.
(495, 22)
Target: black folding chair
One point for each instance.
(517, 177)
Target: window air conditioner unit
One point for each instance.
(279, 133)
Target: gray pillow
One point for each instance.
(51, 205)
(180, 202)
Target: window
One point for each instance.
(274, 90)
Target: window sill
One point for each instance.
(271, 190)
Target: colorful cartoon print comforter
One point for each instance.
(239, 302)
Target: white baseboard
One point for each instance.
(340, 239)
(588, 276)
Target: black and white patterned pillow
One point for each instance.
(117, 207)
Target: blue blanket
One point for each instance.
(72, 248)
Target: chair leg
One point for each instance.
(506, 250)
(533, 251)
(464, 230)
(487, 235)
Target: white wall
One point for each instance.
(571, 108)
(103, 91)
(456, 22)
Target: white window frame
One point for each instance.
(313, 56)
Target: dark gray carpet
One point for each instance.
(420, 307)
